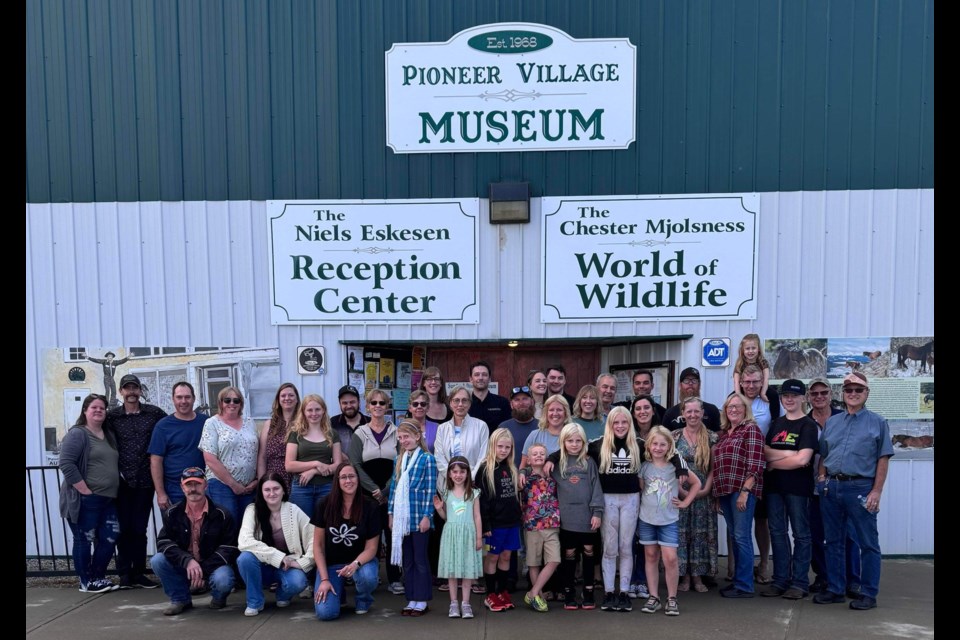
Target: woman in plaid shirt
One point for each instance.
(410, 505)
(737, 484)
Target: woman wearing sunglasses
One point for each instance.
(229, 445)
(373, 449)
(417, 412)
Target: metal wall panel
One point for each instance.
(175, 100)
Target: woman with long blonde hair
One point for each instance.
(313, 453)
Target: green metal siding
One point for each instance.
(252, 100)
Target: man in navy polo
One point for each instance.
(486, 406)
(855, 451)
(174, 445)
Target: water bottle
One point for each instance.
(863, 503)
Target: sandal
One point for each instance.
(699, 587)
(478, 589)
(759, 577)
(684, 585)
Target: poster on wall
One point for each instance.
(72, 373)
(900, 371)
(649, 258)
(360, 261)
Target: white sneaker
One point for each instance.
(250, 611)
(396, 588)
(642, 592)
(283, 603)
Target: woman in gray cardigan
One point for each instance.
(91, 478)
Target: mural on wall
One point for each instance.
(70, 373)
(900, 371)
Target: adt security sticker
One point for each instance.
(716, 352)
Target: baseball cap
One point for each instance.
(793, 386)
(690, 371)
(822, 381)
(858, 379)
(129, 379)
(347, 389)
(192, 474)
(518, 390)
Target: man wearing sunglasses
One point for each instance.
(819, 395)
(855, 451)
(349, 418)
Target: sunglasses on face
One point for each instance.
(854, 389)
(418, 404)
(232, 401)
(819, 394)
(377, 403)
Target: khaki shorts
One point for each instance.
(543, 545)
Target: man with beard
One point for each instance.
(643, 386)
(196, 547)
(522, 423)
(132, 424)
(689, 388)
(349, 418)
(486, 406)
(556, 381)
(173, 445)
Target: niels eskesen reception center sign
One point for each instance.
(511, 87)
(636, 258)
(373, 261)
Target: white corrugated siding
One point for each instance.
(832, 264)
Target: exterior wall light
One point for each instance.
(509, 202)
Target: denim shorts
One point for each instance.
(503, 539)
(665, 535)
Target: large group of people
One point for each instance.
(472, 491)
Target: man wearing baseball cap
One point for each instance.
(689, 388)
(196, 548)
(132, 424)
(855, 452)
(522, 422)
(349, 418)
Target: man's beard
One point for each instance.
(523, 415)
(350, 412)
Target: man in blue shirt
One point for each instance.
(855, 451)
(174, 446)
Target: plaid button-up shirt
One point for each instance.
(738, 455)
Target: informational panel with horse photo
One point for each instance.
(900, 371)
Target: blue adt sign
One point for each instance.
(716, 352)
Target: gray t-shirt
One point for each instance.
(103, 477)
(659, 488)
(544, 437)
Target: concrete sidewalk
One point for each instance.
(905, 611)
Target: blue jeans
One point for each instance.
(819, 559)
(365, 580)
(177, 586)
(841, 507)
(790, 570)
(307, 497)
(224, 497)
(174, 492)
(96, 525)
(740, 525)
(256, 575)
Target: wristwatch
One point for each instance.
(357, 562)
(744, 490)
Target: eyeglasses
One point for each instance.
(749, 383)
(520, 390)
(460, 401)
(418, 404)
(377, 403)
(819, 394)
(432, 379)
(690, 381)
(854, 389)
(232, 401)
(734, 407)
(350, 477)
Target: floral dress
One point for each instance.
(698, 522)
(276, 453)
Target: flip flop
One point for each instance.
(683, 586)
(758, 577)
(699, 587)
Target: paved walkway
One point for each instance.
(905, 611)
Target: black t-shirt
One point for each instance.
(344, 542)
(792, 435)
(672, 419)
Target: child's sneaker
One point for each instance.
(466, 611)
(624, 603)
(652, 605)
(589, 601)
(492, 602)
(570, 601)
(537, 603)
(505, 600)
(642, 592)
(671, 609)
(609, 602)
(454, 609)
